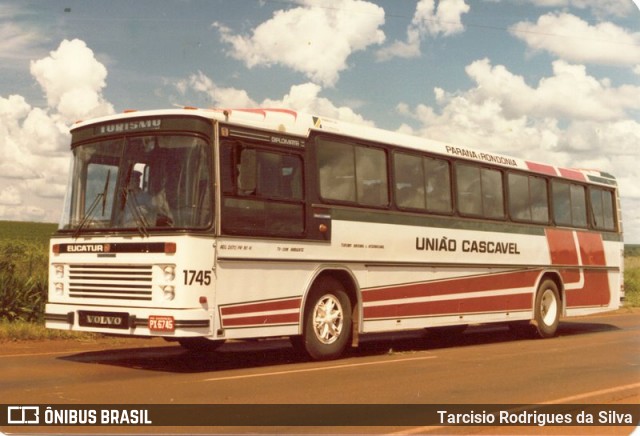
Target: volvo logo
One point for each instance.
(104, 320)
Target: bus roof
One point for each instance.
(290, 122)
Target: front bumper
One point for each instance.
(130, 321)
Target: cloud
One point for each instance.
(570, 93)
(19, 41)
(571, 38)
(72, 80)
(600, 8)
(431, 18)
(569, 118)
(216, 96)
(588, 125)
(34, 141)
(16, 42)
(10, 196)
(304, 98)
(315, 39)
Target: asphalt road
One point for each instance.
(592, 360)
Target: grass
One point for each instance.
(14, 331)
(632, 280)
(24, 269)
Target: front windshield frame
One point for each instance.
(144, 182)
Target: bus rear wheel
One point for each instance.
(327, 321)
(547, 309)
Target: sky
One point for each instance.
(556, 81)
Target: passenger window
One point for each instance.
(469, 189)
(602, 209)
(561, 203)
(352, 173)
(336, 163)
(438, 185)
(578, 206)
(539, 199)
(492, 193)
(409, 177)
(479, 191)
(519, 201)
(569, 204)
(371, 176)
(528, 198)
(422, 183)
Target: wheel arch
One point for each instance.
(347, 278)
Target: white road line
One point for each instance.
(573, 398)
(322, 368)
(565, 400)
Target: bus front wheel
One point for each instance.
(327, 321)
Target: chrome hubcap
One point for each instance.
(328, 319)
(548, 307)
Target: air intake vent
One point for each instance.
(112, 282)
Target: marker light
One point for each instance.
(170, 248)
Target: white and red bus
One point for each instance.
(208, 225)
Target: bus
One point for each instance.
(208, 225)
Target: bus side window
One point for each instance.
(602, 209)
(492, 193)
(469, 191)
(409, 178)
(569, 204)
(578, 206)
(561, 203)
(371, 176)
(528, 198)
(352, 173)
(437, 185)
(336, 165)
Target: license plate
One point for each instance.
(109, 320)
(161, 323)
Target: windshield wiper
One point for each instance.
(134, 206)
(100, 195)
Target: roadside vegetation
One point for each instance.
(23, 281)
(24, 268)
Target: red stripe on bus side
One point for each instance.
(495, 303)
(541, 168)
(572, 174)
(489, 282)
(591, 248)
(262, 320)
(562, 249)
(266, 306)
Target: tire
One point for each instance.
(547, 309)
(200, 344)
(326, 329)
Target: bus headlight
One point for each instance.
(58, 271)
(59, 288)
(168, 293)
(169, 272)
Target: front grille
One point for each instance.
(113, 282)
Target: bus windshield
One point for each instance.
(139, 183)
